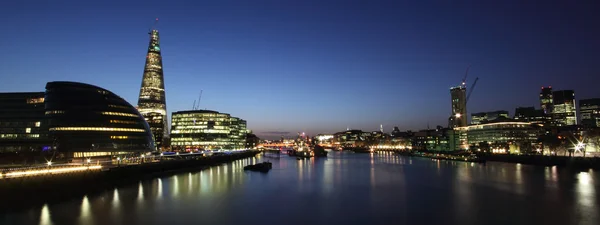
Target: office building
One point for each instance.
(152, 101)
(86, 121)
(500, 137)
(564, 111)
(459, 107)
(590, 112)
(197, 130)
(546, 100)
(531, 115)
(22, 122)
(484, 117)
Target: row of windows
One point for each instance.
(55, 112)
(15, 136)
(119, 114)
(123, 121)
(96, 129)
(199, 131)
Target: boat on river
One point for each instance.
(260, 167)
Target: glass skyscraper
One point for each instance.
(565, 110)
(152, 101)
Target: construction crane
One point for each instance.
(464, 80)
(471, 90)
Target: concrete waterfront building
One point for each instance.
(483, 117)
(152, 101)
(590, 112)
(22, 122)
(564, 109)
(196, 130)
(500, 136)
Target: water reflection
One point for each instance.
(85, 214)
(45, 216)
(383, 187)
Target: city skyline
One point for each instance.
(314, 69)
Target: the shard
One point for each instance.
(152, 101)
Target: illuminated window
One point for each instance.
(96, 129)
(37, 124)
(55, 112)
(119, 137)
(35, 100)
(28, 130)
(123, 121)
(119, 114)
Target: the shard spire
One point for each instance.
(152, 101)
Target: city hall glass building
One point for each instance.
(196, 130)
(85, 121)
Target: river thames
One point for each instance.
(344, 188)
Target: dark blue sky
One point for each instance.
(313, 66)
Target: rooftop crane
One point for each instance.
(471, 90)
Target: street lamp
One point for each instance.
(457, 115)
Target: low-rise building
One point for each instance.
(518, 136)
(195, 130)
(483, 117)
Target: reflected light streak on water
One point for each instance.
(45, 216)
(140, 196)
(159, 193)
(586, 196)
(85, 217)
(175, 186)
(115, 200)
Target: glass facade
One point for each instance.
(22, 123)
(484, 117)
(514, 134)
(152, 100)
(93, 119)
(565, 110)
(206, 130)
(590, 112)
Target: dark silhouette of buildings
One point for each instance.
(22, 122)
(590, 112)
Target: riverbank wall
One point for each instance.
(27, 192)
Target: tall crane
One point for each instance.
(471, 90)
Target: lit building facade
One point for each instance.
(152, 101)
(196, 130)
(565, 111)
(546, 100)
(86, 121)
(516, 136)
(22, 122)
(483, 117)
(459, 107)
(590, 112)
